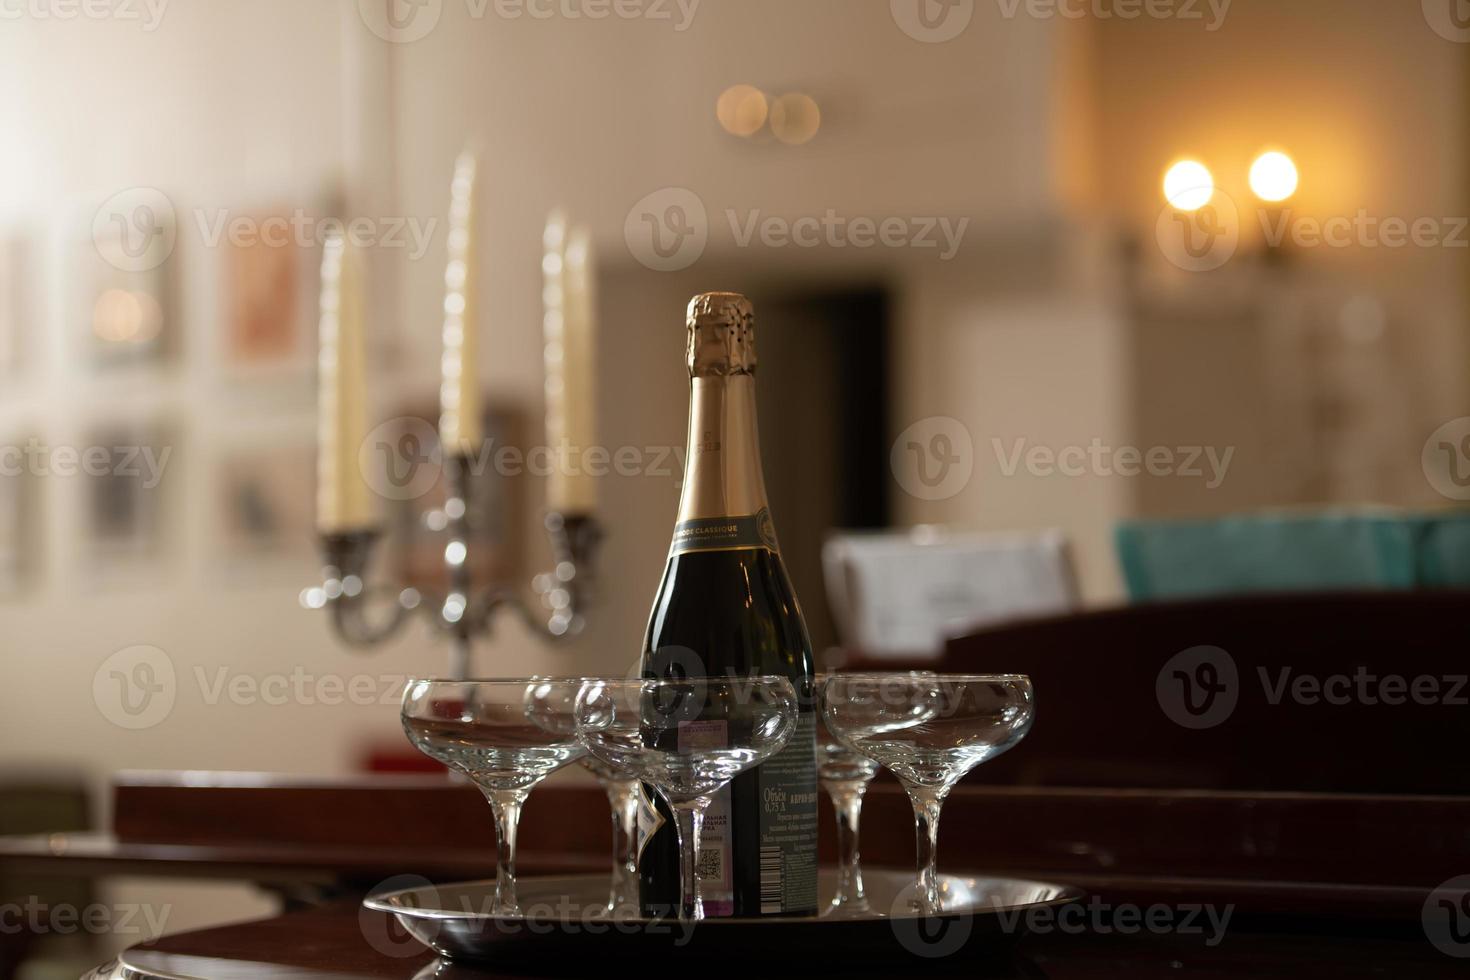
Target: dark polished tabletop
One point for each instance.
(344, 942)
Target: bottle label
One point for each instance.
(788, 823)
(649, 819)
(726, 534)
(716, 876)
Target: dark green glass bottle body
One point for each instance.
(722, 613)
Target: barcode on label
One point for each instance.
(771, 880)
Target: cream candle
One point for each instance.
(459, 394)
(579, 352)
(553, 324)
(344, 502)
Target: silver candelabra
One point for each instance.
(460, 612)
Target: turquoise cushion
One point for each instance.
(1286, 552)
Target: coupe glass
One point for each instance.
(507, 736)
(622, 796)
(845, 775)
(688, 739)
(929, 730)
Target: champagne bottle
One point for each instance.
(726, 608)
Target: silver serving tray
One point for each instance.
(564, 915)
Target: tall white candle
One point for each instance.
(459, 392)
(553, 322)
(579, 357)
(344, 502)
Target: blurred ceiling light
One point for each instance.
(795, 118)
(1273, 176)
(1188, 185)
(123, 317)
(742, 110)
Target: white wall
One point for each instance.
(224, 105)
(1371, 103)
(965, 130)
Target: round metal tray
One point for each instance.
(563, 916)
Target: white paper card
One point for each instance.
(902, 595)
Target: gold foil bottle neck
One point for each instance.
(721, 335)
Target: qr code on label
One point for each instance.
(710, 864)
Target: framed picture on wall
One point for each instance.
(269, 265)
(263, 506)
(129, 519)
(124, 291)
(17, 272)
(18, 539)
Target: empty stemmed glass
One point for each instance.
(845, 775)
(687, 738)
(929, 730)
(622, 796)
(507, 736)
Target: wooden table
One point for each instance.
(1348, 855)
(1325, 884)
(328, 943)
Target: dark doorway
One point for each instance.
(823, 401)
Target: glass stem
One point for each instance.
(927, 801)
(689, 820)
(847, 804)
(507, 806)
(622, 796)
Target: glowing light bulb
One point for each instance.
(1273, 176)
(795, 118)
(742, 110)
(1188, 185)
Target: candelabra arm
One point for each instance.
(346, 554)
(567, 590)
